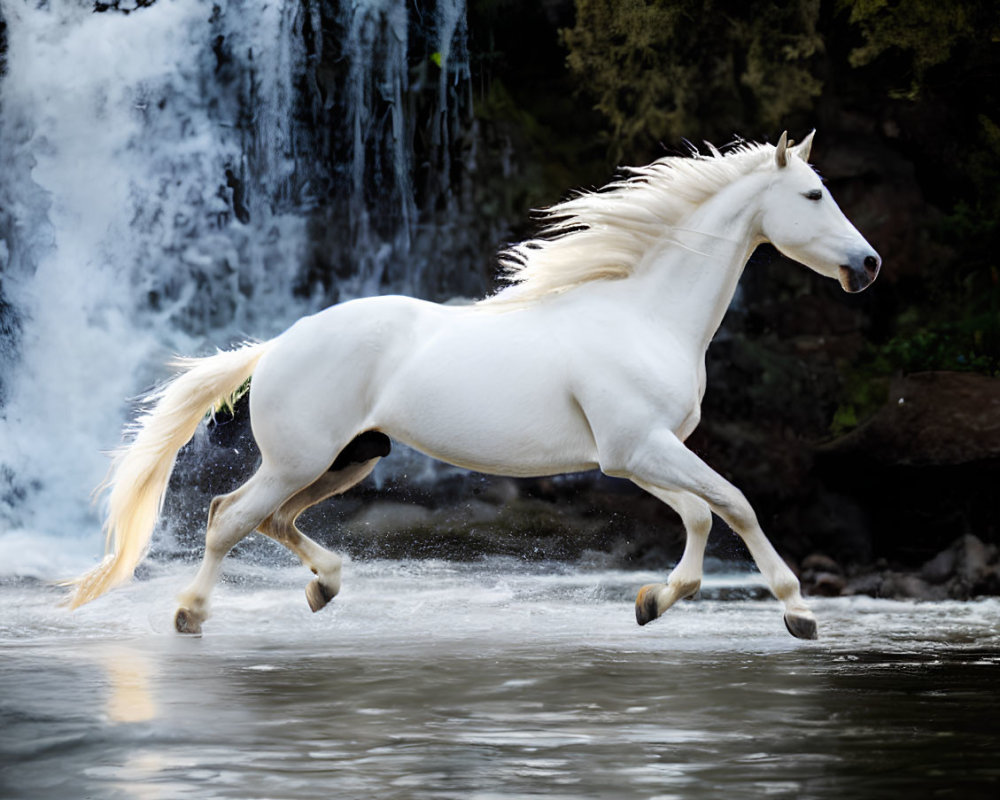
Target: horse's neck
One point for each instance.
(689, 280)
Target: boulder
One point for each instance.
(819, 562)
(867, 583)
(822, 576)
(965, 569)
(827, 584)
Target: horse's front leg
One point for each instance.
(685, 579)
(661, 460)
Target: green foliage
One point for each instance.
(556, 157)
(962, 345)
(665, 69)
(865, 393)
(929, 31)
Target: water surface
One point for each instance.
(491, 680)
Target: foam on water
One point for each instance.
(494, 603)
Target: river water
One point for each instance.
(430, 679)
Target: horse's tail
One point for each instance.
(140, 470)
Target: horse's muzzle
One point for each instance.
(860, 272)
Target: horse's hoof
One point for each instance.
(646, 607)
(186, 622)
(318, 595)
(801, 627)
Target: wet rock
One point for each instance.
(822, 576)
(827, 584)
(973, 560)
(965, 569)
(908, 586)
(386, 516)
(968, 568)
(894, 585)
(867, 583)
(940, 568)
(819, 562)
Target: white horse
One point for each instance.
(594, 356)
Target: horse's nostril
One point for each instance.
(871, 263)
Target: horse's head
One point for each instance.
(801, 219)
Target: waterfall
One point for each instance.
(189, 174)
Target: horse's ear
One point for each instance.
(781, 151)
(805, 146)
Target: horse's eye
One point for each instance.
(814, 195)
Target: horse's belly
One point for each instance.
(509, 413)
(517, 449)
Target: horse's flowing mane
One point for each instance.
(605, 233)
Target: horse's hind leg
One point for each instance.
(280, 526)
(230, 518)
(685, 579)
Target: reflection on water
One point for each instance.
(130, 698)
(435, 680)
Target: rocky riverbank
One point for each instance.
(965, 569)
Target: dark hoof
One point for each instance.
(801, 627)
(186, 622)
(646, 609)
(318, 595)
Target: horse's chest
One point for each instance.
(646, 387)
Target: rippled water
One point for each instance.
(498, 679)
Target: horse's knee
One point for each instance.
(697, 516)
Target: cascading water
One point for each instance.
(189, 174)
